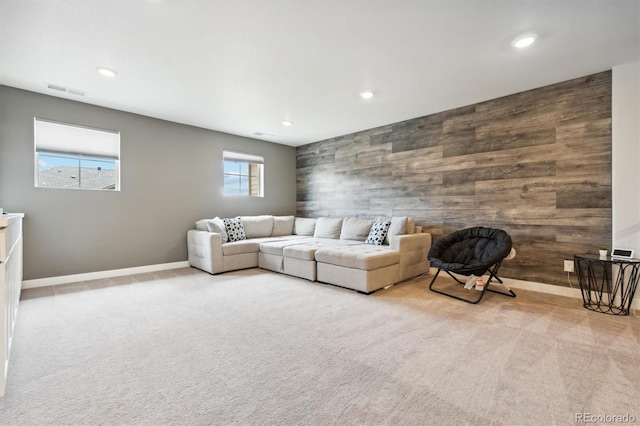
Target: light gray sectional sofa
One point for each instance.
(329, 250)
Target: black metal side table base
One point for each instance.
(607, 284)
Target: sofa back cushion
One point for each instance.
(328, 227)
(257, 226)
(411, 225)
(355, 228)
(398, 226)
(283, 225)
(304, 226)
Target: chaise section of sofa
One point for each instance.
(330, 250)
(364, 267)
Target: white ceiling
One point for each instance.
(243, 66)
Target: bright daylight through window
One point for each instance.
(70, 156)
(243, 174)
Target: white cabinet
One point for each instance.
(10, 285)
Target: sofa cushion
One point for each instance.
(217, 225)
(362, 256)
(301, 251)
(398, 226)
(282, 225)
(354, 228)
(241, 247)
(304, 226)
(276, 247)
(378, 233)
(328, 228)
(305, 249)
(235, 229)
(257, 226)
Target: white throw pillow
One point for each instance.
(257, 226)
(282, 225)
(328, 228)
(201, 225)
(304, 226)
(217, 225)
(355, 228)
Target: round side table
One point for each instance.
(607, 284)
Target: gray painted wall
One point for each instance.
(171, 176)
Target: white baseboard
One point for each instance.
(550, 288)
(66, 279)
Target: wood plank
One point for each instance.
(500, 141)
(519, 170)
(584, 199)
(585, 236)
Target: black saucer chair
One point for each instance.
(471, 251)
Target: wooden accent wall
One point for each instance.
(536, 164)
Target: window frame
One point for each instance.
(108, 152)
(253, 162)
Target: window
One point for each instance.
(243, 174)
(70, 156)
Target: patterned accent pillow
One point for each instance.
(378, 233)
(235, 229)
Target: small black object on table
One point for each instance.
(607, 284)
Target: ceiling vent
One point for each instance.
(66, 90)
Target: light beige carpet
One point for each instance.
(253, 347)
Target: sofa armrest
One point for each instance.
(413, 249)
(410, 242)
(205, 251)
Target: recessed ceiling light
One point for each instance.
(524, 41)
(366, 94)
(287, 123)
(107, 72)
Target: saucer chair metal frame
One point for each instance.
(471, 251)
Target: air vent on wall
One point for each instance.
(66, 90)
